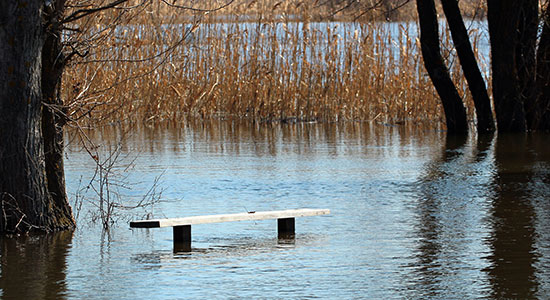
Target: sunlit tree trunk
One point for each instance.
(455, 112)
(26, 201)
(476, 83)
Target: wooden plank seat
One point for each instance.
(182, 226)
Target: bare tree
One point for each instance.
(37, 40)
(26, 200)
(472, 73)
(520, 69)
(455, 112)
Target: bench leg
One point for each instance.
(286, 228)
(182, 238)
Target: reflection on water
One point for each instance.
(477, 220)
(414, 215)
(450, 212)
(515, 252)
(35, 267)
(244, 247)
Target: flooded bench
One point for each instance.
(182, 226)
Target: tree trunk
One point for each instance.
(455, 112)
(543, 75)
(476, 83)
(526, 58)
(26, 202)
(53, 113)
(503, 18)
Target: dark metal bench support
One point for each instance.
(286, 228)
(182, 238)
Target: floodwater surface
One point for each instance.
(414, 215)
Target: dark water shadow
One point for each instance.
(437, 191)
(516, 219)
(483, 207)
(35, 267)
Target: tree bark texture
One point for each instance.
(472, 73)
(543, 75)
(26, 203)
(455, 112)
(526, 58)
(53, 113)
(503, 18)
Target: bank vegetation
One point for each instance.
(260, 60)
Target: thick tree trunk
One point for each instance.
(543, 75)
(53, 113)
(503, 18)
(476, 83)
(526, 58)
(25, 199)
(455, 112)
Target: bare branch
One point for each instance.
(81, 13)
(198, 9)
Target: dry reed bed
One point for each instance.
(265, 71)
(318, 10)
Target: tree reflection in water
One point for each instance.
(450, 212)
(515, 218)
(484, 203)
(419, 217)
(34, 267)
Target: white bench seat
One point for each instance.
(182, 226)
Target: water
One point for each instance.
(413, 216)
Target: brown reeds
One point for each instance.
(157, 67)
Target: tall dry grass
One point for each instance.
(153, 68)
(317, 10)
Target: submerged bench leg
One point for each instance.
(286, 228)
(182, 238)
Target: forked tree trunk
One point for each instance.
(476, 83)
(26, 203)
(455, 112)
(503, 18)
